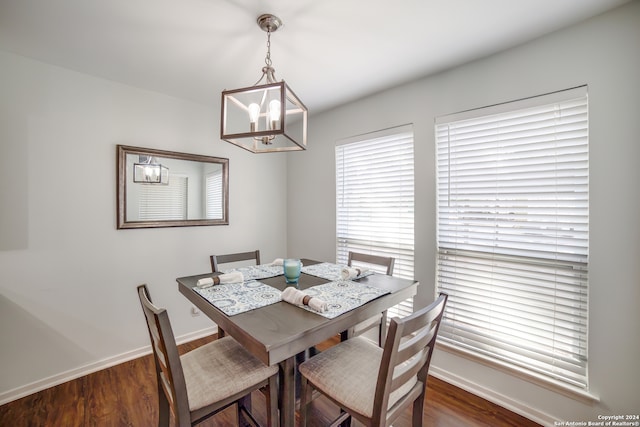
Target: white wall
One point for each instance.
(67, 276)
(605, 54)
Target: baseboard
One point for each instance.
(63, 377)
(195, 335)
(492, 396)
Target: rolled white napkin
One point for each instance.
(233, 277)
(205, 282)
(297, 297)
(352, 272)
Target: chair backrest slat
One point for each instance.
(414, 344)
(216, 260)
(408, 370)
(373, 260)
(156, 339)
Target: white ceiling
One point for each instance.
(328, 51)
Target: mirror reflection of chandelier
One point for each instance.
(149, 171)
(268, 116)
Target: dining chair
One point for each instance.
(216, 260)
(380, 320)
(206, 380)
(345, 373)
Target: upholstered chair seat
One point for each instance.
(221, 369)
(349, 373)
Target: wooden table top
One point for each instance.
(281, 330)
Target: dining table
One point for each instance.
(278, 332)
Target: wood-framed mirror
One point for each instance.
(158, 188)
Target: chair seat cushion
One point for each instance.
(221, 369)
(348, 372)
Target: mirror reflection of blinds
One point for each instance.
(375, 201)
(513, 210)
(164, 202)
(213, 191)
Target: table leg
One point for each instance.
(288, 392)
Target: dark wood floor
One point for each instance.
(125, 395)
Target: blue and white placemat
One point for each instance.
(329, 271)
(257, 272)
(342, 296)
(325, 270)
(236, 298)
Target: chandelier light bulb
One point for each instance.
(254, 113)
(149, 173)
(274, 113)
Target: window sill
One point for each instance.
(575, 393)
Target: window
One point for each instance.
(374, 200)
(164, 202)
(213, 195)
(513, 205)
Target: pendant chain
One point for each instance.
(267, 60)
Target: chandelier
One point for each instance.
(268, 116)
(149, 171)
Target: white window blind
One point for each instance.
(513, 210)
(164, 202)
(213, 190)
(375, 200)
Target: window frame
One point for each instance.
(452, 337)
(366, 151)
